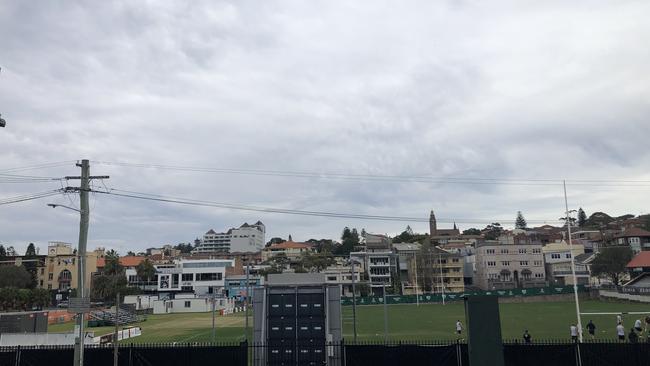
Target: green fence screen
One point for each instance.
(425, 298)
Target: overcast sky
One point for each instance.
(505, 90)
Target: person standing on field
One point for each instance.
(633, 337)
(637, 326)
(526, 337)
(620, 332)
(574, 332)
(459, 327)
(591, 328)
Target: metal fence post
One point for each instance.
(17, 358)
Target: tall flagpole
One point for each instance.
(573, 266)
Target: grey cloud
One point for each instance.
(456, 89)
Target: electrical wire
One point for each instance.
(203, 203)
(39, 166)
(391, 178)
(12, 178)
(29, 197)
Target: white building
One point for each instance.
(342, 275)
(246, 238)
(201, 276)
(190, 304)
(380, 267)
(557, 258)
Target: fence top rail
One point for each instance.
(128, 345)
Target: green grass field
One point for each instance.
(544, 320)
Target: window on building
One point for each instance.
(567, 255)
(49, 286)
(50, 276)
(522, 250)
(539, 275)
(523, 263)
(536, 250)
(208, 277)
(504, 251)
(556, 256)
(491, 264)
(188, 304)
(187, 277)
(41, 283)
(537, 263)
(505, 263)
(331, 278)
(489, 251)
(42, 271)
(455, 260)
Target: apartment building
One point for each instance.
(201, 276)
(437, 271)
(342, 275)
(60, 272)
(636, 238)
(246, 238)
(380, 268)
(510, 262)
(558, 257)
(290, 249)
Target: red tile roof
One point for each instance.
(640, 260)
(633, 232)
(290, 245)
(128, 261)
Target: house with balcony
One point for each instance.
(291, 249)
(636, 238)
(516, 262)
(380, 268)
(557, 259)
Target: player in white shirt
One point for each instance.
(459, 327)
(637, 326)
(620, 332)
(619, 320)
(574, 332)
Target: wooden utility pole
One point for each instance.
(82, 301)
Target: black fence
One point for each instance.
(406, 353)
(445, 353)
(131, 355)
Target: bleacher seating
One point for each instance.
(124, 316)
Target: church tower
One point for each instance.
(433, 227)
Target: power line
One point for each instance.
(39, 166)
(391, 178)
(29, 197)
(203, 203)
(12, 178)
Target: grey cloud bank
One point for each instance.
(499, 90)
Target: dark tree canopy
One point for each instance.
(145, 270)
(611, 262)
(472, 231)
(492, 231)
(349, 239)
(15, 276)
(520, 222)
(275, 240)
(582, 217)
